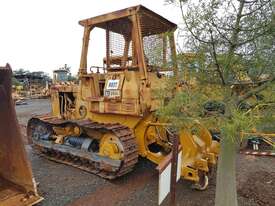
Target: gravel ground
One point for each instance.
(33, 107)
(62, 185)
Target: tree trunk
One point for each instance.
(226, 193)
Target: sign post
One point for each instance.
(174, 164)
(169, 173)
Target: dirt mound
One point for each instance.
(260, 188)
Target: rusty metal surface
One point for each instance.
(16, 181)
(124, 13)
(87, 161)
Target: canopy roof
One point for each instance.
(119, 21)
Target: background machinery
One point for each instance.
(103, 123)
(63, 75)
(31, 84)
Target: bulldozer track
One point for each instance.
(109, 171)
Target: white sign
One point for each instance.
(165, 179)
(164, 183)
(113, 84)
(112, 93)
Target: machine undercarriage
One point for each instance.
(110, 153)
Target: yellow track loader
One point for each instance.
(17, 186)
(102, 124)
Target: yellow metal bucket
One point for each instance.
(17, 186)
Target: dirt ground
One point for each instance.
(62, 185)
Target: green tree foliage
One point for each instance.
(235, 36)
(233, 41)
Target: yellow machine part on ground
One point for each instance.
(17, 186)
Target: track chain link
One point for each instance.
(123, 133)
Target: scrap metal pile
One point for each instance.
(30, 85)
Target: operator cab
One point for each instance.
(134, 37)
(60, 75)
(136, 45)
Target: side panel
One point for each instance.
(55, 103)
